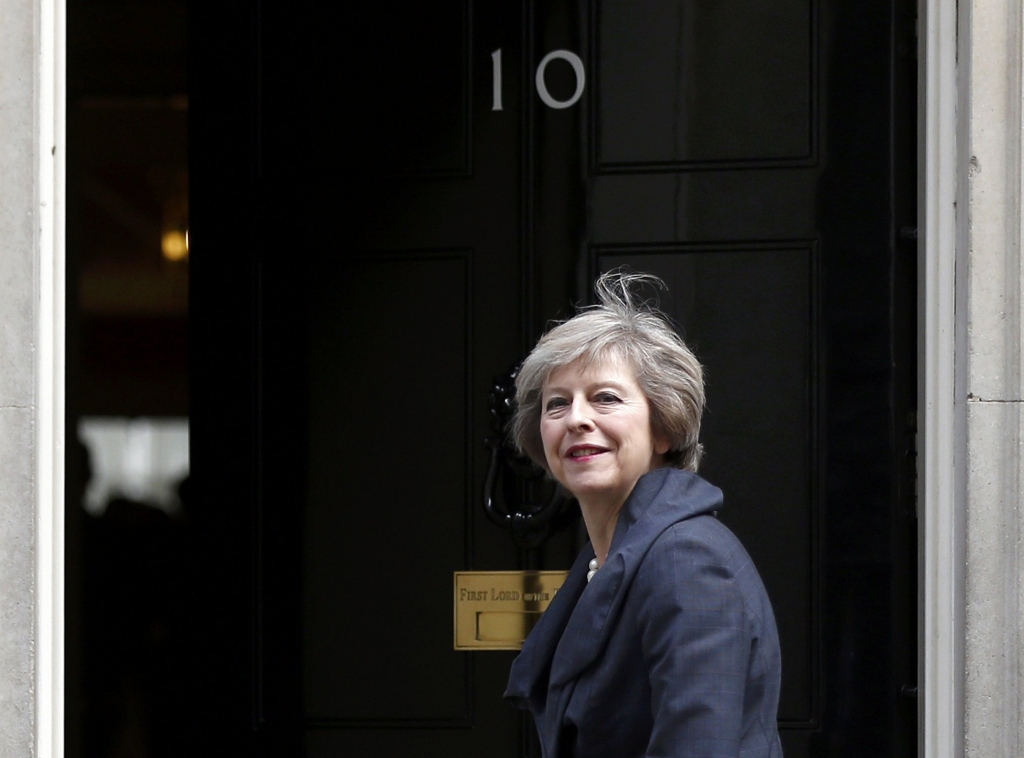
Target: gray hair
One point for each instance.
(626, 327)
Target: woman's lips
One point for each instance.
(584, 452)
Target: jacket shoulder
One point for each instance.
(703, 536)
(701, 557)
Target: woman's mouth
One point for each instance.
(583, 451)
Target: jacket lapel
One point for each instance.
(659, 499)
(528, 680)
(576, 627)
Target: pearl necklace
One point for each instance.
(593, 569)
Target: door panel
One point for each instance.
(395, 335)
(690, 83)
(373, 244)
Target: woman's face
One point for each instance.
(596, 428)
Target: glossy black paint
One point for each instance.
(373, 244)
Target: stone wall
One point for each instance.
(18, 246)
(31, 377)
(994, 634)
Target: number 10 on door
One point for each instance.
(542, 88)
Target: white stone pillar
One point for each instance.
(31, 377)
(941, 396)
(994, 625)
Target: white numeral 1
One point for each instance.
(496, 79)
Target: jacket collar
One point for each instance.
(574, 630)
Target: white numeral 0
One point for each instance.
(542, 88)
(577, 67)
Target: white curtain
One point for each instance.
(142, 459)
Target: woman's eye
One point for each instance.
(555, 403)
(606, 397)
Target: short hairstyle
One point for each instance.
(624, 326)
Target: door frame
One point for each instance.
(942, 364)
(942, 466)
(47, 70)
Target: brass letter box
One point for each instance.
(495, 610)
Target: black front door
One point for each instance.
(388, 204)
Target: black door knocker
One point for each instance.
(529, 516)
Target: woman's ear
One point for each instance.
(661, 444)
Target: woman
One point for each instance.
(662, 640)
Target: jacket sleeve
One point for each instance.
(696, 641)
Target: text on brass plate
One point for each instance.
(495, 610)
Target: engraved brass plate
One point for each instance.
(495, 610)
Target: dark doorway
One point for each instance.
(375, 241)
(127, 608)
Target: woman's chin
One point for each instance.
(598, 493)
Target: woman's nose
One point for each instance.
(579, 416)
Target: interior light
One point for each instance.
(175, 245)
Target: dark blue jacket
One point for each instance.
(671, 650)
